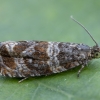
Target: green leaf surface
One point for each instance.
(49, 20)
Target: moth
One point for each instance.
(35, 58)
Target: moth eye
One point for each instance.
(97, 55)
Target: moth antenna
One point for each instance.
(84, 29)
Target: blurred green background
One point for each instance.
(49, 20)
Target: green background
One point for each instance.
(49, 20)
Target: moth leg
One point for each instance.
(22, 79)
(80, 71)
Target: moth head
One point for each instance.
(96, 52)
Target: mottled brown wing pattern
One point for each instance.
(36, 58)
